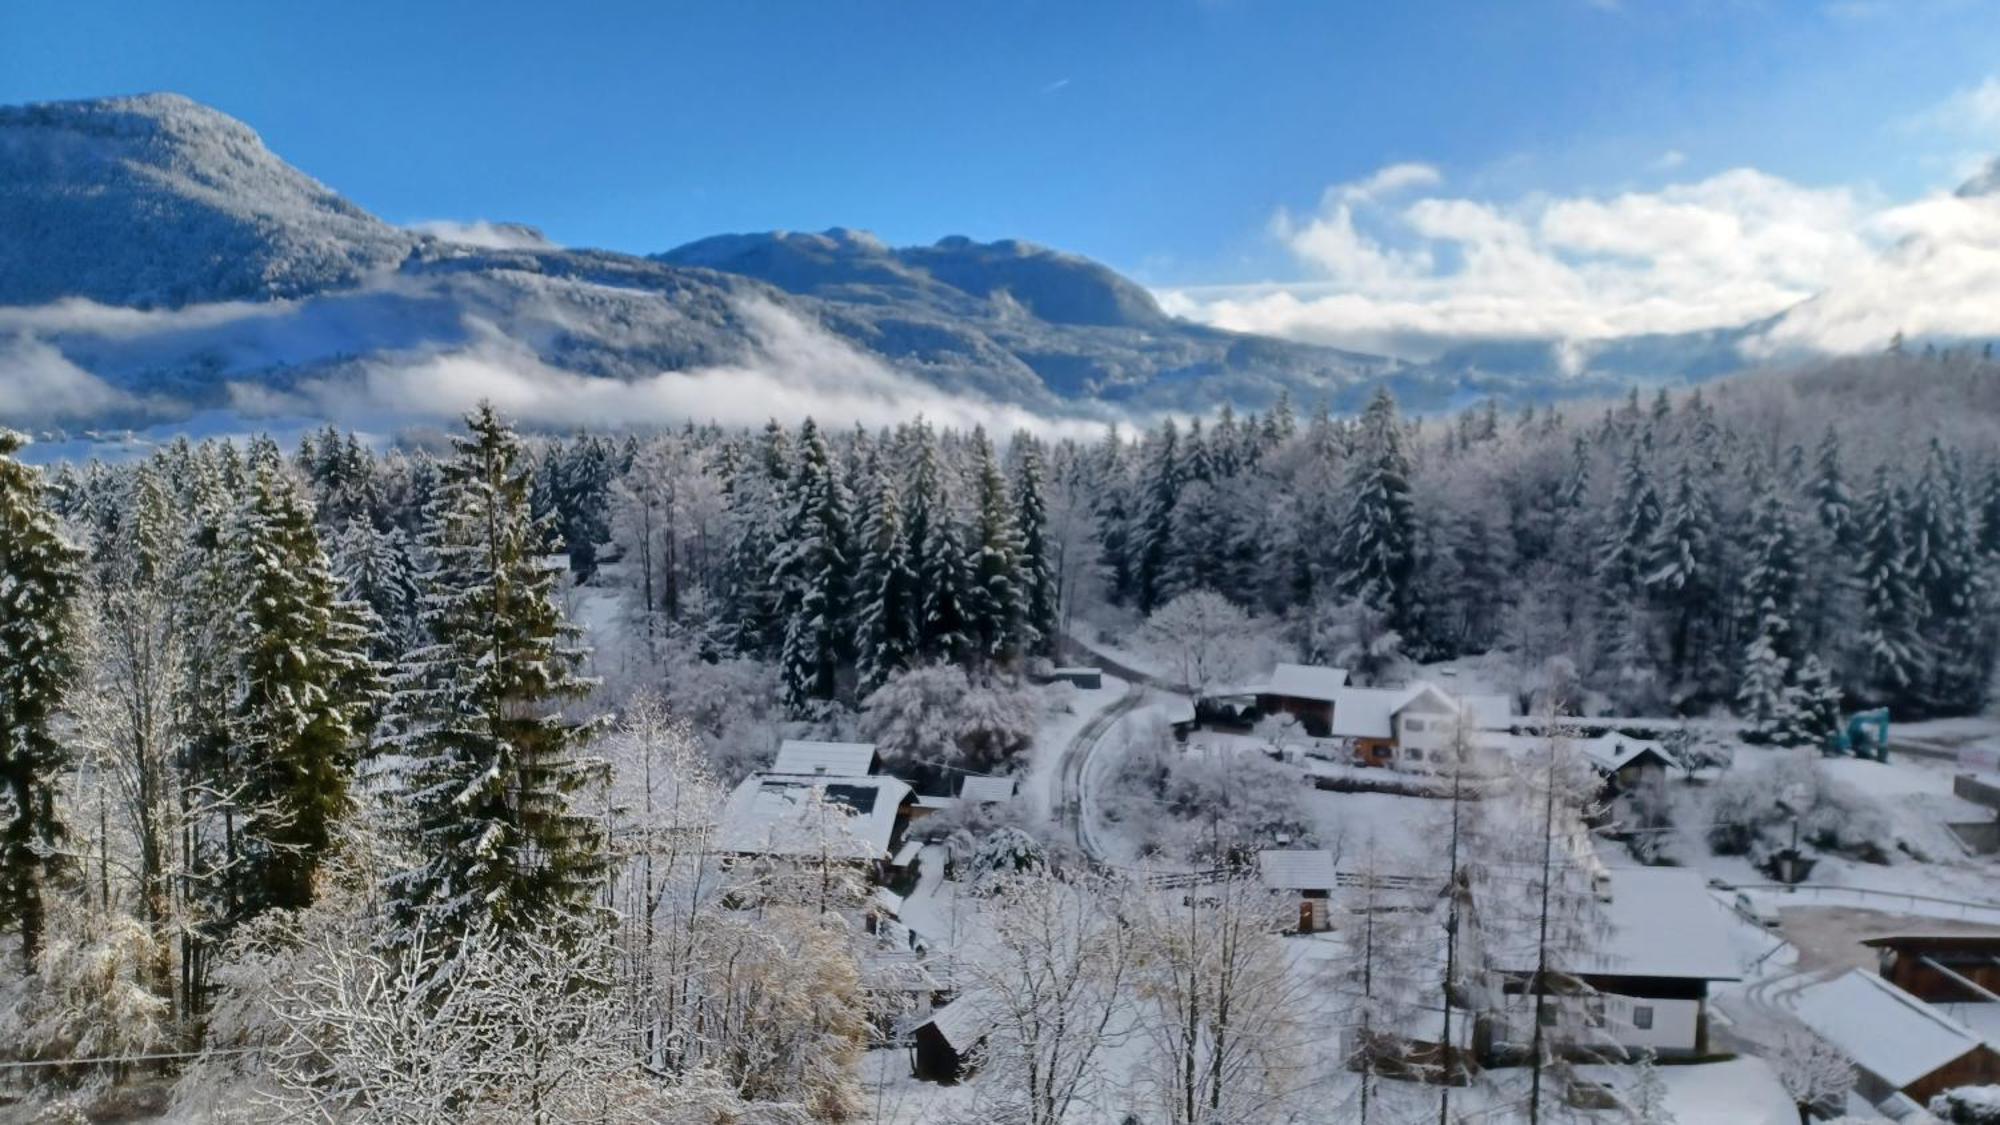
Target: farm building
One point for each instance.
(1308, 876)
(1666, 940)
(1304, 691)
(825, 759)
(1944, 968)
(941, 1046)
(1900, 1045)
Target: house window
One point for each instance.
(1413, 724)
(1548, 1014)
(1593, 1012)
(1642, 1017)
(1416, 755)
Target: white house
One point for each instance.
(1409, 727)
(1665, 940)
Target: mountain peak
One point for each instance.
(157, 200)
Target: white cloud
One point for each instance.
(38, 386)
(1418, 276)
(797, 370)
(1669, 160)
(485, 235)
(1973, 111)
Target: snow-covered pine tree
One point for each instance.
(1111, 508)
(813, 565)
(1681, 575)
(39, 581)
(1152, 534)
(1771, 590)
(1892, 647)
(303, 684)
(1377, 540)
(885, 587)
(946, 580)
(995, 603)
(754, 491)
(1951, 586)
(492, 766)
(376, 571)
(1040, 598)
(1812, 710)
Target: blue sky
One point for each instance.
(1159, 136)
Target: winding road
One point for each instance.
(1074, 771)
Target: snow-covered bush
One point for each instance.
(1204, 808)
(938, 716)
(1752, 810)
(1004, 851)
(90, 994)
(1967, 1105)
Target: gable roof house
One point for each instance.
(1303, 691)
(1665, 941)
(1900, 1045)
(1406, 727)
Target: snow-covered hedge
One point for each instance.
(1968, 1105)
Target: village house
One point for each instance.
(1904, 1050)
(1410, 727)
(1665, 941)
(942, 1046)
(843, 818)
(1304, 691)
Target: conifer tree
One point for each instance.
(1946, 572)
(493, 766)
(1681, 571)
(1377, 541)
(885, 586)
(945, 577)
(39, 582)
(812, 576)
(1892, 647)
(1111, 508)
(302, 688)
(995, 603)
(1153, 523)
(756, 485)
(1039, 597)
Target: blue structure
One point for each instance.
(1866, 735)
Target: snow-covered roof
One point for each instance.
(906, 853)
(854, 817)
(825, 759)
(979, 790)
(1885, 1030)
(935, 801)
(1179, 709)
(1612, 753)
(1297, 870)
(1659, 922)
(1306, 681)
(965, 1021)
(1371, 712)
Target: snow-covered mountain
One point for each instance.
(159, 259)
(156, 201)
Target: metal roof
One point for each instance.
(825, 759)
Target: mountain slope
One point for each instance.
(156, 201)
